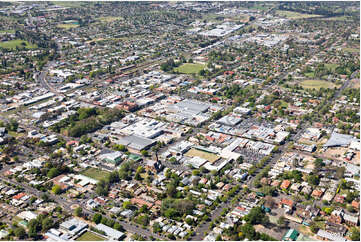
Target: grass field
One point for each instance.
(70, 4)
(109, 19)
(205, 155)
(89, 236)
(331, 67)
(95, 173)
(190, 68)
(12, 44)
(67, 26)
(339, 18)
(310, 74)
(316, 84)
(10, 31)
(295, 15)
(351, 50)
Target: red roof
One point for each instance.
(19, 196)
(285, 184)
(287, 202)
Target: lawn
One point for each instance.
(310, 74)
(295, 15)
(90, 236)
(67, 26)
(10, 31)
(95, 173)
(203, 154)
(317, 84)
(331, 67)
(190, 68)
(351, 50)
(70, 4)
(12, 44)
(109, 19)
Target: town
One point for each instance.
(180, 120)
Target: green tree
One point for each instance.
(355, 234)
(78, 212)
(53, 172)
(56, 189)
(20, 232)
(46, 224)
(97, 218)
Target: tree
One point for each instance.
(118, 227)
(248, 231)
(78, 212)
(144, 153)
(257, 216)
(281, 221)
(33, 227)
(46, 224)
(171, 190)
(56, 189)
(97, 218)
(355, 234)
(20, 232)
(313, 179)
(127, 204)
(53, 172)
(156, 227)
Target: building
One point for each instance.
(113, 157)
(73, 226)
(136, 143)
(324, 235)
(291, 235)
(110, 232)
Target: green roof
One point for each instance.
(291, 234)
(134, 157)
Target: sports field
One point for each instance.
(12, 44)
(189, 68)
(67, 26)
(317, 84)
(94, 173)
(89, 236)
(109, 19)
(295, 15)
(202, 154)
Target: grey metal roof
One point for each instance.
(114, 234)
(135, 142)
(339, 140)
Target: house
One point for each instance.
(351, 220)
(154, 165)
(285, 184)
(286, 203)
(339, 199)
(291, 235)
(336, 216)
(356, 204)
(317, 193)
(140, 202)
